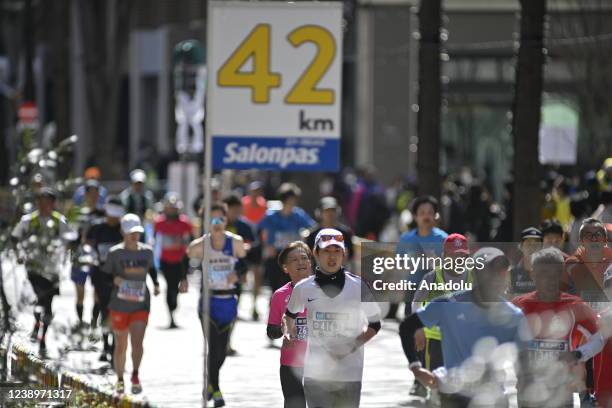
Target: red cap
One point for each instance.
(456, 244)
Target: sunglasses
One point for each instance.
(593, 236)
(217, 221)
(325, 238)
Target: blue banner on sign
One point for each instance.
(275, 153)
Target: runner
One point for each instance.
(426, 239)
(224, 249)
(339, 324)
(464, 319)
(102, 237)
(429, 339)
(39, 239)
(521, 280)
(281, 227)
(238, 225)
(83, 260)
(128, 263)
(328, 214)
(295, 259)
(136, 198)
(586, 269)
(174, 231)
(255, 207)
(565, 332)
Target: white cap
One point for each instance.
(334, 240)
(131, 223)
(138, 176)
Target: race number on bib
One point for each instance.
(329, 324)
(132, 291)
(544, 351)
(301, 328)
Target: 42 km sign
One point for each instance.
(275, 85)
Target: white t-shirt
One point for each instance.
(333, 325)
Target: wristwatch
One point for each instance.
(577, 354)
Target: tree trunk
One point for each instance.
(60, 71)
(104, 31)
(430, 98)
(526, 115)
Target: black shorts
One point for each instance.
(103, 285)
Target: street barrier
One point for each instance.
(25, 364)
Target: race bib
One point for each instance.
(301, 328)
(132, 291)
(542, 352)
(329, 324)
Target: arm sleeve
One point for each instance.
(153, 270)
(431, 313)
(274, 332)
(184, 267)
(592, 347)
(296, 303)
(241, 267)
(406, 331)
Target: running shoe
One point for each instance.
(120, 387)
(218, 399)
(209, 393)
(136, 387)
(34, 334)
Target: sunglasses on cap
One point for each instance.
(325, 238)
(217, 220)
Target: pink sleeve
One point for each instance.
(276, 309)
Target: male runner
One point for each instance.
(102, 237)
(39, 239)
(429, 339)
(464, 319)
(565, 331)
(174, 230)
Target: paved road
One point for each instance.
(171, 371)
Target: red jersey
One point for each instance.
(175, 235)
(254, 211)
(568, 320)
(557, 327)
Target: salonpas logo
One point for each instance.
(281, 156)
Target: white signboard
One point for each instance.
(275, 85)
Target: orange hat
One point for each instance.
(92, 173)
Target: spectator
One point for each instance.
(604, 175)
(604, 211)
